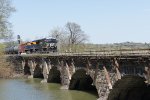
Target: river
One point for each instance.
(32, 89)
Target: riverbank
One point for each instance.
(8, 69)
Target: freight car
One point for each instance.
(37, 46)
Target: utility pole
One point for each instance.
(19, 42)
(19, 39)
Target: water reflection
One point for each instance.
(32, 89)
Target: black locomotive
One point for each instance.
(37, 46)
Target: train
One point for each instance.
(44, 45)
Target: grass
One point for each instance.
(5, 67)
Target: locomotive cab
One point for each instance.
(50, 45)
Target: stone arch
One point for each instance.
(38, 72)
(54, 75)
(26, 68)
(130, 87)
(50, 71)
(81, 81)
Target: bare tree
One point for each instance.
(5, 27)
(59, 34)
(5, 33)
(70, 37)
(76, 35)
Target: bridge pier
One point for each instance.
(92, 72)
(23, 65)
(96, 72)
(148, 72)
(32, 67)
(116, 65)
(147, 69)
(65, 75)
(49, 64)
(107, 77)
(72, 68)
(103, 84)
(88, 66)
(46, 70)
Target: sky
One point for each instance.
(104, 21)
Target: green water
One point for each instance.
(32, 89)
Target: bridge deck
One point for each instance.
(102, 54)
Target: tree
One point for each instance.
(5, 33)
(70, 37)
(59, 34)
(76, 35)
(5, 27)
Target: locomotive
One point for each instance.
(37, 46)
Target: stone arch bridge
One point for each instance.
(104, 68)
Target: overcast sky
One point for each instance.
(104, 21)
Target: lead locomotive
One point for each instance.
(37, 46)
